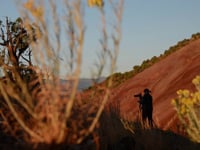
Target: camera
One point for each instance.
(140, 99)
(138, 95)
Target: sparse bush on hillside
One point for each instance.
(195, 36)
(187, 105)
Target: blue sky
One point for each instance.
(148, 29)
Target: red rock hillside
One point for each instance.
(164, 78)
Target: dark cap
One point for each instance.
(147, 90)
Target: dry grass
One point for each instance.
(44, 114)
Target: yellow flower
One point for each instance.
(29, 4)
(173, 102)
(36, 11)
(186, 93)
(98, 3)
(196, 80)
(183, 93)
(182, 110)
(187, 101)
(196, 97)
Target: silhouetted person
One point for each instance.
(147, 107)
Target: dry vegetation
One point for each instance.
(187, 105)
(33, 102)
(36, 112)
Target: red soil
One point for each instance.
(164, 78)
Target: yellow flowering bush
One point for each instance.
(98, 3)
(187, 105)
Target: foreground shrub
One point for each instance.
(187, 105)
(45, 111)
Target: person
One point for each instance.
(147, 107)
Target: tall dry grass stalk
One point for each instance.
(50, 113)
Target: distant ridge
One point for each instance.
(84, 83)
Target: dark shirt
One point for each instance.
(147, 101)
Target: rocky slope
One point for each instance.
(164, 78)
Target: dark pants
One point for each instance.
(147, 114)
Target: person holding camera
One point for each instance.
(146, 106)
